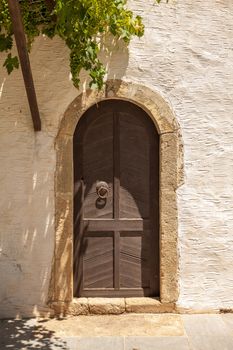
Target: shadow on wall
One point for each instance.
(27, 223)
(47, 57)
(27, 173)
(114, 54)
(28, 334)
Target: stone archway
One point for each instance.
(171, 177)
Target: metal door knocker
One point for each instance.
(102, 189)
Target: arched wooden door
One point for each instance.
(116, 202)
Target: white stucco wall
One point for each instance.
(186, 55)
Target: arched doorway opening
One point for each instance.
(116, 202)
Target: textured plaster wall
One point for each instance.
(186, 55)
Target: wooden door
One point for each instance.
(116, 202)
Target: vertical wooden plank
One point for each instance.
(81, 241)
(116, 260)
(79, 237)
(17, 24)
(154, 211)
(98, 165)
(78, 223)
(116, 164)
(116, 208)
(135, 167)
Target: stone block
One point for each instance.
(205, 325)
(153, 343)
(102, 306)
(79, 306)
(203, 342)
(147, 305)
(95, 343)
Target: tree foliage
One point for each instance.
(80, 23)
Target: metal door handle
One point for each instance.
(102, 189)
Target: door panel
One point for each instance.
(116, 230)
(98, 262)
(97, 153)
(134, 166)
(134, 261)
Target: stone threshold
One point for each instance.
(117, 306)
(111, 306)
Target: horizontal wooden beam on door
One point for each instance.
(122, 293)
(20, 39)
(91, 225)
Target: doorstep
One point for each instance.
(111, 306)
(124, 325)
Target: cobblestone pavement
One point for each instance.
(122, 332)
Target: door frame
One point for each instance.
(171, 177)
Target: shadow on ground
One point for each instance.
(28, 335)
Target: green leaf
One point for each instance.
(78, 23)
(6, 42)
(11, 63)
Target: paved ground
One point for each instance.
(124, 332)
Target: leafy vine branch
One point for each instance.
(80, 23)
